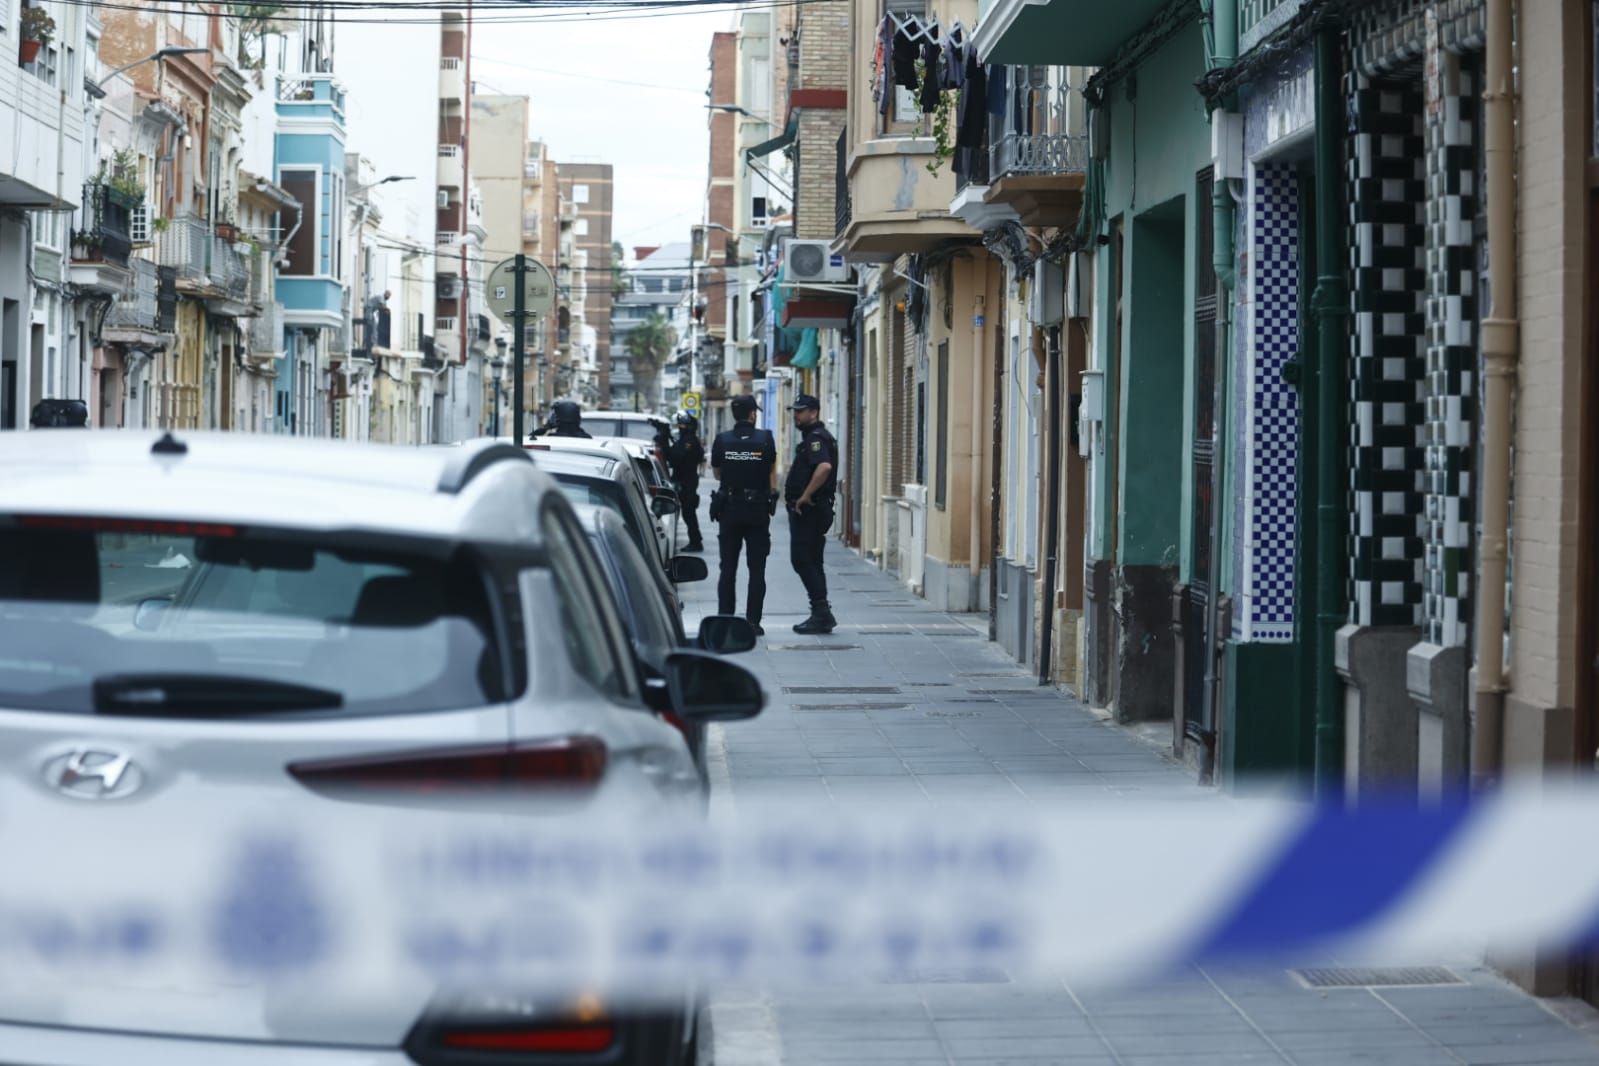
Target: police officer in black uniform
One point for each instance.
(684, 456)
(566, 420)
(809, 490)
(744, 460)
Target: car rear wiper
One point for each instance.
(204, 695)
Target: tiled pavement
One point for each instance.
(953, 719)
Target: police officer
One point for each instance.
(812, 481)
(684, 457)
(744, 460)
(566, 420)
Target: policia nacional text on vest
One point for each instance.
(744, 460)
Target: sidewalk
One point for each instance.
(904, 702)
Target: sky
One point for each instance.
(629, 92)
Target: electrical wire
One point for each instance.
(558, 12)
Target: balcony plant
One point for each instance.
(38, 30)
(122, 178)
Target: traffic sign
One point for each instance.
(538, 290)
(691, 402)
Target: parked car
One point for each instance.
(657, 479)
(654, 618)
(238, 620)
(602, 472)
(632, 425)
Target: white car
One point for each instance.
(628, 425)
(605, 472)
(228, 619)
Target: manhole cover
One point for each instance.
(927, 684)
(971, 699)
(841, 690)
(888, 633)
(813, 647)
(950, 714)
(852, 707)
(1002, 673)
(1033, 691)
(1376, 977)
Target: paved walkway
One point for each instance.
(942, 714)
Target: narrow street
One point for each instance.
(901, 702)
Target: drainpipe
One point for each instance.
(1052, 378)
(1500, 349)
(975, 503)
(1224, 46)
(1330, 303)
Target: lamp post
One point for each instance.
(97, 88)
(497, 366)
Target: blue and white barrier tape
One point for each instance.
(368, 900)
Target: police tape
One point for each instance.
(365, 900)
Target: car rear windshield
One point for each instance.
(167, 619)
(631, 428)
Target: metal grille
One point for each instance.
(852, 707)
(1376, 977)
(813, 647)
(841, 690)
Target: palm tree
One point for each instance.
(649, 345)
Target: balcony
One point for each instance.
(266, 334)
(143, 313)
(207, 266)
(1258, 18)
(893, 205)
(452, 167)
(1077, 32)
(448, 262)
(311, 96)
(1037, 154)
(452, 79)
(104, 225)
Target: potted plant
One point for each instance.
(38, 29)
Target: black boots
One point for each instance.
(821, 621)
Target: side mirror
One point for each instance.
(706, 688)
(725, 634)
(681, 568)
(664, 502)
(147, 615)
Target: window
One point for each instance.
(272, 620)
(194, 25)
(582, 227)
(139, 224)
(580, 194)
(302, 250)
(45, 63)
(588, 627)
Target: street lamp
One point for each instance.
(734, 109)
(97, 89)
(497, 365)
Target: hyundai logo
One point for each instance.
(93, 774)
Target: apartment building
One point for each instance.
(590, 190)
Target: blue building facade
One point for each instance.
(309, 159)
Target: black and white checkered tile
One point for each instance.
(1387, 200)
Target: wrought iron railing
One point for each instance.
(184, 245)
(1045, 126)
(139, 308)
(104, 224)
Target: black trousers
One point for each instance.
(753, 536)
(807, 532)
(689, 497)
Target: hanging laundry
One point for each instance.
(998, 89)
(972, 119)
(883, 85)
(932, 82)
(906, 51)
(952, 59)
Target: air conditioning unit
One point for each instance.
(814, 261)
(444, 197)
(449, 288)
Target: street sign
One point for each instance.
(691, 402)
(538, 291)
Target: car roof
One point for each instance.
(627, 416)
(610, 446)
(274, 481)
(590, 464)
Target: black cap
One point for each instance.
(806, 403)
(566, 412)
(744, 405)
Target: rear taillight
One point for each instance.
(556, 1040)
(566, 764)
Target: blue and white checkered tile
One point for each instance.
(1272, 441)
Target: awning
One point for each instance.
(778, 143)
